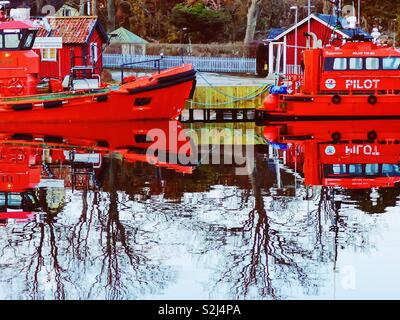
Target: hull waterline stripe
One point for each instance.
(161, 86)
(301, 99)
(174, 77)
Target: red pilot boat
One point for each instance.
(356, 79)
(82, 97)
(357, 160)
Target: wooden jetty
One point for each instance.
(218, 115)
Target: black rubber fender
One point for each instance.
(336, 137)
(372, 99)
(102, 98)
(372, 135)
(336, 99)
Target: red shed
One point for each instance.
(83, 39)
(282, 42)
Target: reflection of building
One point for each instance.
(55, 197)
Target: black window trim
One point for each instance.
(24, 35)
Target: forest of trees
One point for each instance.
(218, 20)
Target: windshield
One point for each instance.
(17, 40)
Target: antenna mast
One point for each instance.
(337, 11)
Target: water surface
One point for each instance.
(85, 216)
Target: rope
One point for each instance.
(250, 96)
(225, 94)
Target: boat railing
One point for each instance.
(157, 65)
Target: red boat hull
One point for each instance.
(324, 130)
(162, 96)
(319, 107)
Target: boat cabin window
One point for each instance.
(17, 39)
(391, 63)
(340, 64)
(29, 40)
(372, 63)
(361, 170)
(356, 63)
(359, 63)
(11, 40)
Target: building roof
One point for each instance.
(16, 25)
(73, 3)
(274, 32)
(329, 21)
(73, 30)
(125, 36)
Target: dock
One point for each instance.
(226, 98)
(222, 98)
(216, 115)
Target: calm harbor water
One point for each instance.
(85, 216)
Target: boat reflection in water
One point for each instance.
(362, 157)
(110, 211)
(36, 168)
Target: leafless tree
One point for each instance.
(111, 15)
(253, 14)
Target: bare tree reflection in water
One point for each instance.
(45, 258)
(277, 253)
(96, 254)
(106, 243)
(120, 243)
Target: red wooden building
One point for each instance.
(282, 42)
(83, 39)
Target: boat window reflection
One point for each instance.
(372, 169)
(356, 170)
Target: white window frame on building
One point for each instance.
(45, 54)
(67, 12)
(94, 53)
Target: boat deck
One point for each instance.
(53, 96)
